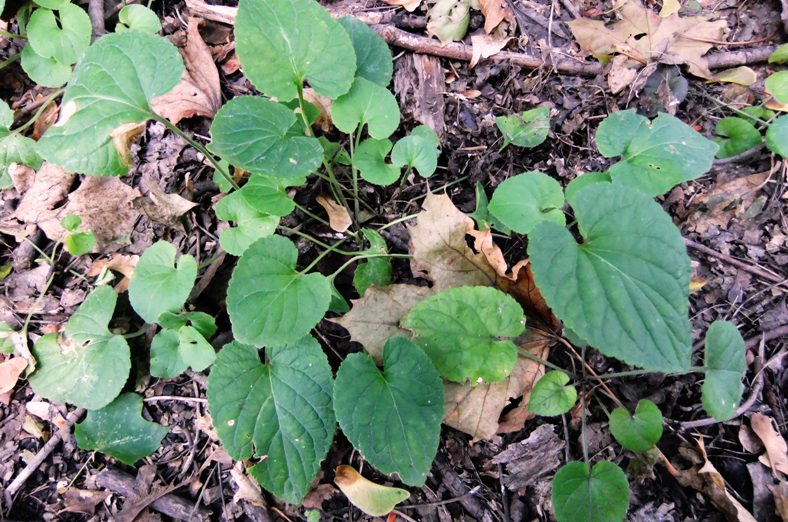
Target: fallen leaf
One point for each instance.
(10, 371)
(749, 440)
(739, 75)
(123, 137)
(621, 74)
(669, 7)
(486, 45)
(449, 19)
(725, 201)
(34, 428)
(248, 489)
(323, 104)
(49, 187)
(338, 216)
(532, 371)
(776, 448)
(495, 12)
(409, 5)
(317, 495)
(373, 499)
(198, 93)
(82, 500)
(124, 264)
(161, 207)
(780, 492)
(46, 412)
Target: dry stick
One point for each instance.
(96, 13)
(753, 269)
(42, 454)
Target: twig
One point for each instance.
(753, 269)
(742, 156)
(775, 333)
(96, 13)
(571, 8)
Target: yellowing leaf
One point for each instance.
(741, 75)
(669, 7)
(338, 216)
(409, 5)
(373, 499)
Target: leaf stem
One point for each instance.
(40, 111)
(637, 373)
(365, 256)
(7, 34)
(522, 352)
(583, 410)
(398, 221)
(310, 214)
(355, 140)
(11, 59)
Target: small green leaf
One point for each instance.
(373, 56)
(753, 113)
(367, 104)
(466, 332)
(552, 395)
(89, 367)
(581, 494)
(638, 432)
(202, 322)
(157, 285)
(44, 71)
(777, 86)
(6, 116)
(370, 160)
(51, 4)
(250, 223)
(111, 89)
(725, 367)
(736, 135)
(281, 43)
(580, 182)
(373, 499)
(71, 222)
(625, 289)
(136, 17)
(777, 136)
(263, 137)
(119, 430)
(15, 148)
(6, 342)
(656, 155)
(419, 150)
(267, 195)
(172, 352)
(527, 129)
(780, 55)
(392, 417)
(280, 412)
(525, 200)
(63, 38)
(375, 271)
(269, 302)
(79, 243)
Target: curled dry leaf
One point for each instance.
(248, 489)
(10, 371)
(776, 448)
(338, 216)
(49, 186)
(161, 207)
(486, 45)
(46, 412)
(495, 12)
(323, 104)
(118, 263)
(83, 500)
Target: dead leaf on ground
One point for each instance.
(780, 492)
(338, 216)
(121, 263)
(749, 440)
(317, 495)
(669, 7)
(495, 12)
(82, 500)
(46, 412)
(409, 5)
(776, 448)
(199, 92)
(161, 207)
(486, 45)
(323, 104)
(248, 489)
(10, 371)
(737, 198)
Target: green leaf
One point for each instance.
(250, 223)
(120, 431)
(777, 86)
(725, 367)
(80, 243)
(656, 155)
(51, 4)
(777, 136)
(419, 150)
(625, 289)
(753, 113)
(280, 411)
(392, 417)
(281, 43)
(367, 104)
(525, 200)
(552, 395)
(6, 116)
(137, 17)
(526, 129)
(202, 322)
(585, 180)
(111, 89)
(89, 367)
(373, 499)
(370, 160)
(63, 38)
(780, 55)
(466, 332)
(44, 71)
(263, 137)
(267, 195)
(269, 302)
(736, 135)
(376, 270)
(157, 285)
(71, 222)
(6, 341)
(17, 149)
(172, 352)
(581, 494)
(448, 19)
(373, 56)
(638, 432)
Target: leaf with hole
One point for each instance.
(119, 430)
(269, 302)
(62, 37)
(585, 494)
(249, 224)
(777, 136)
(136, 17)
(376, 270)
(552, 395)
(280, 412)
(392, 417)
(373, 499)
(89, 365)
(158, 285)
(525, 200)
(373, 56)
(173, 351)
(419, 150)
(370, 160)
(638, 432)
(467, 332)
(625, 289)
(725, 367)
(527, 129)
(735, 135)
(367, 104)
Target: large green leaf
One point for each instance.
(263, 136)
(249, 223)
(392, 417)
(656, 155)
(111, 88)
(736, 135)
(269, 302)
(63, 38)
(119, 430)
(280, 412)
(523, 201)
(90, 365)
(638, 432)
(725, 367)
(777, 136)
(552, 395)
(373, 56)
(466, 332)
(173, 351)
(281, 43)
(367, 104)
(158, 285)
(584, 494)
(625, 289)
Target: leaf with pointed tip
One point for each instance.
(158, 285)
(725, 367)
(638, 432)
(367, 104)
(373, 499)
(552, 395)
(373, 56)
(585, 494)
(525, 200)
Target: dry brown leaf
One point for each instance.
(46, 412)
(248, 489)
(539, 345)
(323, 104)
(317, 495)
(621, 74)
(83, 500)
(10, 371)
(124, 264)
(725, 201)
(780, 492)
(123, 137)
(495, 12)
(22, 176)
(776, 448)
(486, 45)
(749, 440)
(199, 92)
(376, 316)
(338, 217)
(49, 186)
(161, 207)
(526, 293)
(409, 5)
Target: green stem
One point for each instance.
(583, 411)
(355, 140)
(361, 257)
(310, 214)
(40, 111)
(302, 108)
(404, 178)
(397, 221)
(637, 373)
(132, 335)
(11, 59)
(323, 254)
(522, 352)
(7, 34)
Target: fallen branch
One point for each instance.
(753, 269)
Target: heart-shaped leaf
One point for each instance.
(552, 395)
(777, 85)
(249, 223)
(202, 322)
(580, 182)
(625, 289)
(158, 285)
(367, 104)
(528, 129)
(656, 155)
(281, 43)
(110, 90)
(16, 149)
(135, 17)
(373, 56)
(263, 137)
(44, 71)
(584, 494)
(173, 351)
(466, 332)
(268, 301)
(419, 150)
(523, 201)
(725, 367)
(280, 411)
(736, 135)
(777, 136)
(89, 367)
(638, 432)
(392, 417)
(373, 499)
(63, 37)
(119, 430)
(267, 195)
(376, 270)
(370, 160)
